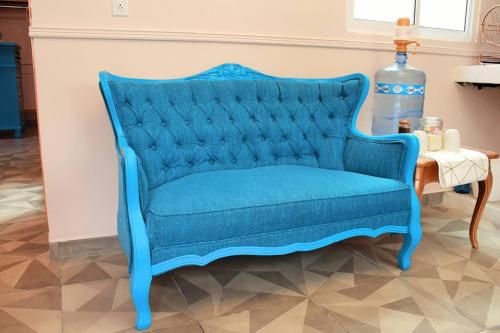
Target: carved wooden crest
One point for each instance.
(230, 72)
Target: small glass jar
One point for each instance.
(433, 127)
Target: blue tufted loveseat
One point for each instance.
(232, 161)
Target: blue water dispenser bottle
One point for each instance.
(399, 89)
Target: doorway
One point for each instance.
(21, 186)
(19, 106)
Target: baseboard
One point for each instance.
(466, 202)
(84, 247)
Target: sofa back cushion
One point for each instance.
(181, 127)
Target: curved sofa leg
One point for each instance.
(412, 238)
(410, 243)
(140, 282)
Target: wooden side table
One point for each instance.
(427, 171)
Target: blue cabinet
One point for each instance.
(11, 98)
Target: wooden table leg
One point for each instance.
(419, 188)
(420, 179)
(482, 199)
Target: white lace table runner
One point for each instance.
(458, 168)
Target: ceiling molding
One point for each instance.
(118, 34)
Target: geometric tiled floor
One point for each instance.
(21, 190)
(353, 286)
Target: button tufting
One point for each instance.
(253, 133)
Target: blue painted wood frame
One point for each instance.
(140, 268)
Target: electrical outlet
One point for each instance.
(120, 7)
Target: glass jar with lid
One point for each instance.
(433, 126)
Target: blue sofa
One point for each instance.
(235, 162)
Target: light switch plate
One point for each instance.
(120, 7)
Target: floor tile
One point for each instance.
(104, 305)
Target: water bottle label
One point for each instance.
(399, 89)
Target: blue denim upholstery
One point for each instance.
(236, 162)
(239, 206)
(179, 128)
(374, 158)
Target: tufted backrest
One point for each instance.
(181, 127)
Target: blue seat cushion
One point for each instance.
(267, 206)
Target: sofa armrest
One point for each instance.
(135, 175)
(133, 184)
(389, 156)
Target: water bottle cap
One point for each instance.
(402, 35)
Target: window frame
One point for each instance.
(363, 26)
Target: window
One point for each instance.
(435, 19)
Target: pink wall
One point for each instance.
(74, 40)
